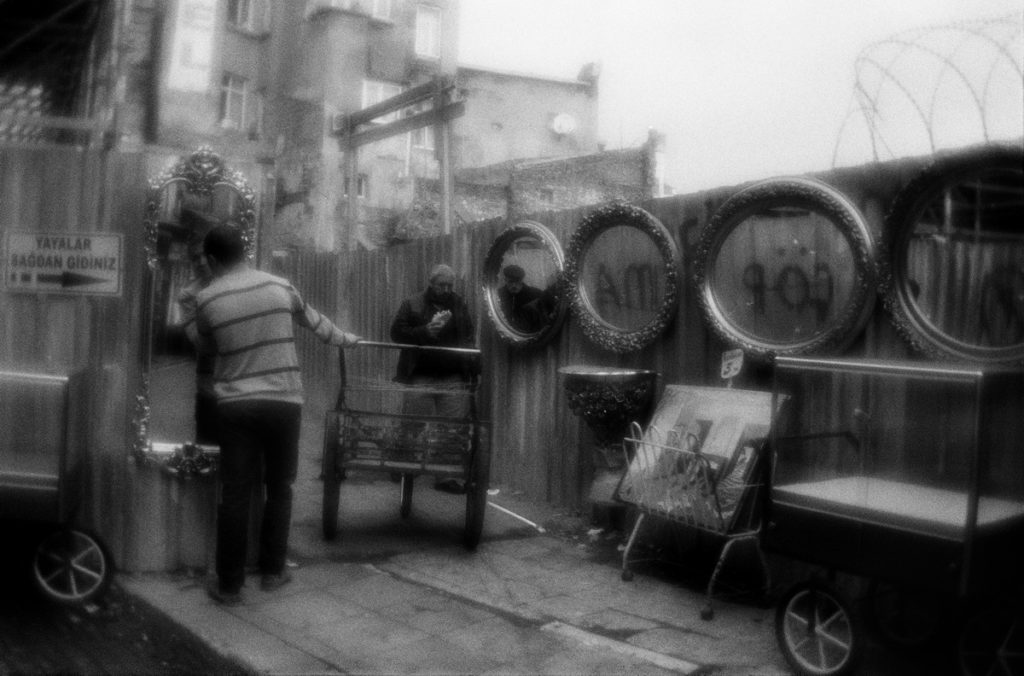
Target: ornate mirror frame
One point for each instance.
(1003, 287)
(798, 193)
(595, 328)
(492, 283)
(200, 173)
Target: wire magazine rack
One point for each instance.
(701, 470)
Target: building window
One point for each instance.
(381, 9)
(428, 31)
(249, 15)
(423, 137)
(361, 182)
(256, 124)
(233, 90)
(375, 91)
(240, 13)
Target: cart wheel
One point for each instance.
(476, 496)
(71, 566)
(331, 477)
(992, 642)
(816, 630)
(406, 508)
(904, 617)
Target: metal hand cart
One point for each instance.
(901, 485)
(697, 466)
(42, 444)
(367, 430)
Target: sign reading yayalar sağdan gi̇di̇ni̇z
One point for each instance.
(78, 263)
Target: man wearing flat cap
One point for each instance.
(440, 382)
(436, 317)
(520, 301)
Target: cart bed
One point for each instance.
(402, 443)
(925, 509)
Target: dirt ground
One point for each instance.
(116, 635)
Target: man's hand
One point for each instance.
(350, 340)
(437, 322)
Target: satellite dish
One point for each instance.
(564, 123)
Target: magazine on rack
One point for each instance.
(697, 455)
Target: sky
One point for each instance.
(748, 89)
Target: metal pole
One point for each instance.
(352, 207)
(429, 348)
(444, 158)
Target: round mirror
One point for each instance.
(786, 266)
(521, 284)
(954, 264)
(622, 277)
(184, 203)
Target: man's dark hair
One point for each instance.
(225, 243)
(514, 273)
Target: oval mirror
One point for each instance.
(954, 263)
(786, 266)
(183, 204)
(621, 277)
(521, 274)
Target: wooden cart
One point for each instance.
(42, 448)
(373, 434)
(903, 481)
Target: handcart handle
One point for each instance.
(431, 348)
(340, 403)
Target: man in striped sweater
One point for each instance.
(246, 318)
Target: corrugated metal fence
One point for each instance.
(536, 439)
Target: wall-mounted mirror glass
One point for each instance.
(622, 277)
(521, 278)
(184, 203)
(786, 266)
(954, 269)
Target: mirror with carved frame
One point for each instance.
(183, 204)
(786, 266)
(521, 280)
(622, 277)
(953, 270)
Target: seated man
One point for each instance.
(520, 302)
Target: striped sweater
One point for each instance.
(246, 317)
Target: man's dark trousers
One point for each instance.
(252, 433)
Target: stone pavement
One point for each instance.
(402, 596)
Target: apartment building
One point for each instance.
(264, 83)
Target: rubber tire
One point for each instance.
(71, 566)
(476, 493)
(795, 604)
(905, 619)
(331, 478)
(407, 484)
(991, 638)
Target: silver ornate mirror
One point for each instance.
(184, 202)
(786, 266)
(954, 263)
(521, 276)
(622, 277)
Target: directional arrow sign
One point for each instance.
(79, 263)
(66, 279)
